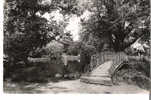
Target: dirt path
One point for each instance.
(71, 86)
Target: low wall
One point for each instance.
(56, 66)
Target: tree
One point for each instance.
(115, 22)
(114, 25)
(24, 31)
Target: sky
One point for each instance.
(74, 23)
(74, 27)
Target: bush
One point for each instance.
(54, 49)
(135, 72)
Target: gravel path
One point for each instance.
(70, 86)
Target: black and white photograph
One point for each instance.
(76, 46)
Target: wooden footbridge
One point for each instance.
(105, 65)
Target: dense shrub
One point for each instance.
(135, 72)
(54, 49)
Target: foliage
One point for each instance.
(27, 34)
(113, 25)
(73, 49)
(119, 22)
(136, 72)
(66, 6)
(54, 49)
(23, 30)
(116, 25)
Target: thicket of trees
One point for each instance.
(113, 25)
(26, 33)
(118, 23)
